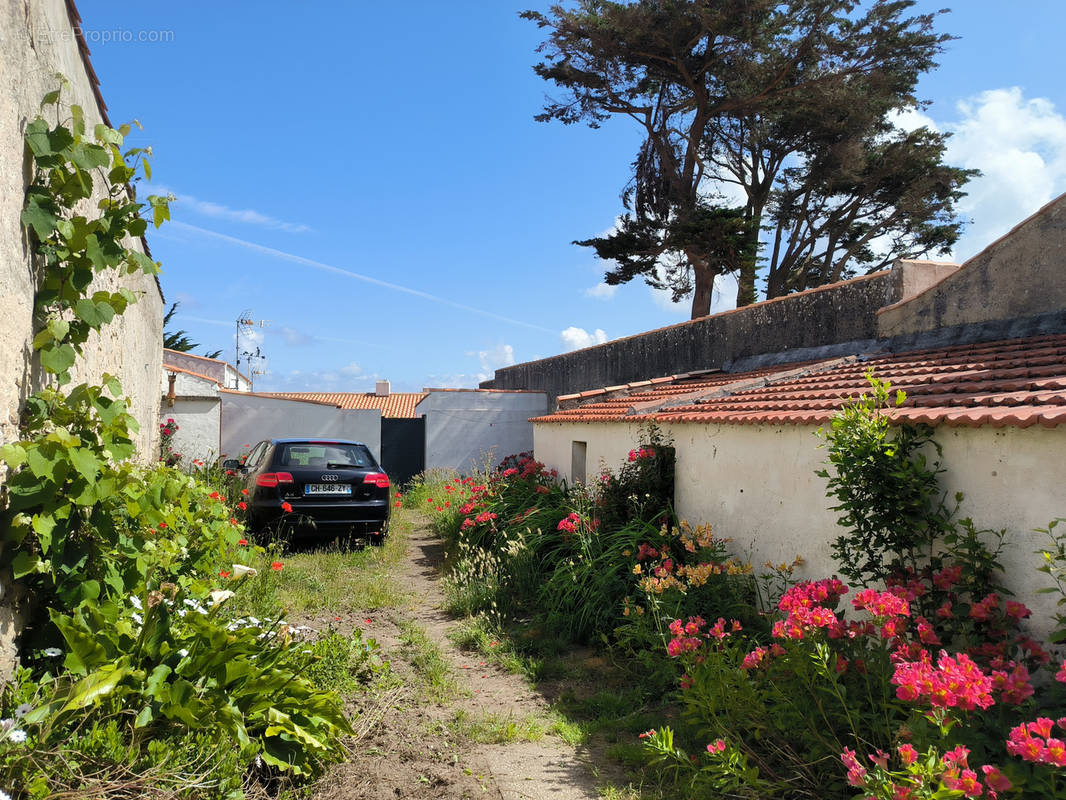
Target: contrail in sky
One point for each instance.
(319, 265)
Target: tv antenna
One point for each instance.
(245, 324)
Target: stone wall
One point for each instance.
(1023, 274)
(789, 327)
(37, 41)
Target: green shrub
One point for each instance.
(117, 564)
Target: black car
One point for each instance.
(315, 487)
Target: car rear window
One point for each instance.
(321, 455)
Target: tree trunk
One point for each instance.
(704, 288)
(746, 285)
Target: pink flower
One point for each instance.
(995, 779)
(907, 754)
(717, 746)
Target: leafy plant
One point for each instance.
(117, 562)
(887, 491)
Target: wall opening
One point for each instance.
(577, 461)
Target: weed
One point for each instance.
(430, 664)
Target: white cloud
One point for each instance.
(248, 216)
(723, 297)
(295, 338)
(601, 291)
(502, 355)
(575, 338)
(351, 369)
(1018, 144)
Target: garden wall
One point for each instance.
(756, 484)
(1023, 274)
(249, 418)
(39, 41)
(796, 327)
(465, 428)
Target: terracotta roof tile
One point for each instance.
(396, 404)
(1015, 382)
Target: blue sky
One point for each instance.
(368, 177)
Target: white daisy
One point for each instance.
(23, 710)
(17, 736)
(52, 652)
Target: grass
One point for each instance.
(493, 728)
(331, 579)
(438, 682)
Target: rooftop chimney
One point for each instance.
(382, 389)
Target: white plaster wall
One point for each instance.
(248, 418)
(466, 429)
(199, 423)
(36, 42)
(756, 485)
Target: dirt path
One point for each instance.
(408, 747)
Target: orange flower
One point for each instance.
(276, 566)
(232, 521)
(286, 507)
(244, 492)
(224, 573)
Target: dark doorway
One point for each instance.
(403, 448)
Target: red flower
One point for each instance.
(233, 521)
(242, 505)
(224, 573)
(276, 566)
(286, 507)
(162, 524)
(244, 492)
(242, 542)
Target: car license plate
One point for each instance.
(327, 488)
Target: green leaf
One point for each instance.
(144, 717)
(94, 253)
(105, 134)
(58, 360)
(84, 651)
(95, 686)
(50, 99)
(90, 156)
(38, 217)
(85, 462)
(37, 137)
(59, 328)
(23, 564)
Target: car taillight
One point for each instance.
(272, 479)
(379, 479)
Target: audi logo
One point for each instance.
(330, 477)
